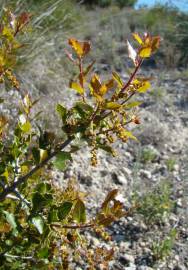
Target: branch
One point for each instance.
(23, 179)
(73, 226)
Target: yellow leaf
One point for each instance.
(43, 154)
(95, 83)
(138, 38)
(8, 33)
(6, 174)
(77, 87)
(145, 52)
(144, 87)
(112, 105)
(80, 47)
(103, 89)
(129, 134)
(26, 127)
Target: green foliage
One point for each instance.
(105, 3)
(170, 163)
(40, 223)
(156, 205)
(162, 249)
(147, 155)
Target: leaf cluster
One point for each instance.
(41, 224)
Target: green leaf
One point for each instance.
(79, 213)
(61, 160)
(62, 111)
(112, 106)
(83, 108)
(1, 100)
(36, 155)
(132, 104)
(106, 148)
(117, 79)
(10, 219)
(64, 210)
(53, 215)
(40, 201)
(43, 188)
(38, 223)
(43, 253)
(26, 127)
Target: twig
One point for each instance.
(22, 179)
(18, 257)
(73, 226)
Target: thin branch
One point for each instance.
(74, 226)
(18, 257)
(23, 179)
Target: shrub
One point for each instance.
(155, 205)
(41, 225)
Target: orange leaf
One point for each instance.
(80, 48)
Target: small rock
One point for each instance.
(126, 259)
(119, 179)
(146, 174)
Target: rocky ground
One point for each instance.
(160, 156)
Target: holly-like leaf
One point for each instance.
(61, 160)
(77, 87)
(79, 212)
(38, 223)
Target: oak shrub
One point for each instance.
(42, 226)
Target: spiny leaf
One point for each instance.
(79, 213)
